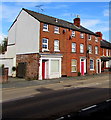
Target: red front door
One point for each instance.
(98, 67)
(82, 67)
(43, 70)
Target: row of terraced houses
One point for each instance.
(44, 47)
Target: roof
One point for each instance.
(61, 23)
(105, 44)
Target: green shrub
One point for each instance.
(79, 74)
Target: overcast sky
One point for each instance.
(94, 15)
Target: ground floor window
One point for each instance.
(74, 65)
(91, 64)
(54, 65)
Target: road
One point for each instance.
(55, 103)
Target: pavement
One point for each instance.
(21, 88)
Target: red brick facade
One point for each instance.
(65, 44)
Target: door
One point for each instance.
(98, 67)
(21, 70)
(82, 66)
(43, 69)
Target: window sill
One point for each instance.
(45, 50)
(73, 52)
(56, 32)
(56, 50)
(73, 71)
(91, 69)
(45, 31)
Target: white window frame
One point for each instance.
(81, 35)
(45, 27)
(56, 29)
(96, 50)
(90, 49)
(82, 49)
(96, 39)
(73, 47)
(46, 49)
(74, 65)
(89, 37)
(93, 64)
(56, 45)
(106, 52)
(73, 34)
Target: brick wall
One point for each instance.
(32, 64)
(65, 44)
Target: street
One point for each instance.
(55, 103)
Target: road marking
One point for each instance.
(89, 107)
(60, 118)
(108, 100)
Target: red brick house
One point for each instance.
(105, 53)
(48, 47)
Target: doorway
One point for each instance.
(82, 66)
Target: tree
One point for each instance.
(3, 45)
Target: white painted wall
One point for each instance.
(27, 34)
(12, 34)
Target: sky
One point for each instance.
(94, 15)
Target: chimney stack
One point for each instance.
(100, 34)
(77, 21)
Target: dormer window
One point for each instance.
(56, 29)
(45, 27)
(73, 33)
(81, 35)
(89, 37)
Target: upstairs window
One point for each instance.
(89, 37)
(45, 27)
(106, 52)
(81, 35)
(96, 49)
(81, 48)
(73, 47)
(56, 45)
(90, 49)
(45, 44)
(56, 29)
(96, 39)
(73, 34)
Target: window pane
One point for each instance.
(73, 62)
(73, 47)
(45, 27)
(74, 65)
(56, 44)
(91, 64)
(74, 68)
(73, 33)
(81, 48)
(54, 65)
(44, 40)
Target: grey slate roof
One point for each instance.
(61, 23)
(105, 44)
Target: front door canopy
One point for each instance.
(105, 58)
